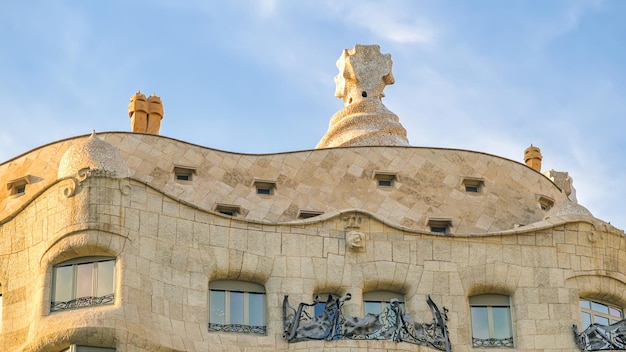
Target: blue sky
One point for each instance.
(257, 76)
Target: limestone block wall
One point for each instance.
(168, 251)
(429, 182)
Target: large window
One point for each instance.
(83, 282)
(378, 302)
(595, 312)
(237, 306)
(491, 321)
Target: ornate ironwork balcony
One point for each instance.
(598, 337)
(493, 342)
(261, 330)
(393, 324)
(83, 302)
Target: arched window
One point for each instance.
(491, 321)
(83, 282)
(237, 306)
(600, 313)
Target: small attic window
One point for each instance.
(545, 203)
(17, 187)
(385, 179)
(306, 214)
(473, 185)
(183, 173)
(440, 225)
(264, 187)
(228, 209)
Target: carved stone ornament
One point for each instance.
(355, 240)
(364, 121)
(393, 324)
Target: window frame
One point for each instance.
(264, 187)
(473, 185)
(233, 286)
(183, 174)
(440, 225)
(612, 319)
(385, 179)
(84, 301)
(383, 298)
(489, 301)
(17, 187)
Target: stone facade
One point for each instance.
(119, 195)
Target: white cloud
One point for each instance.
(390, 20)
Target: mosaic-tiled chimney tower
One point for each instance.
(364, 121)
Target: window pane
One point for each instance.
(236, 308)
(373, 307)
(105, 278)
(616, 313)
(600, 320)
(501, 322)
(84, 280)
(257, 309)
(585, 304)
(585, 319)
(319, 308)
(63, 277)
(600, 307)
(217, 313)
(480, 323)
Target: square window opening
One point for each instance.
(473, 185)
(265, 187)
(440, 225)
(183, 174)
(385, 179)
(17, 187)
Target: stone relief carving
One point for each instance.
(355, 240)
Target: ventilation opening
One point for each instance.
(264, 187)
(228, 209)
(385, 179)
(183, 174)
(545, 203)
(473, 185)
(307, 214)
(440, 225)
(17, 187)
